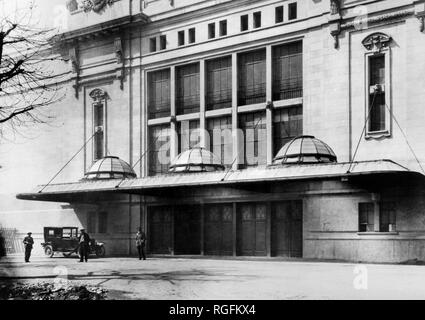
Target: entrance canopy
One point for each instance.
(80, 191)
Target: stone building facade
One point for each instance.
(149, 80)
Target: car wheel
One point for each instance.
(100, 251)
(48, 251)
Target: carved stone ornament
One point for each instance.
(98, 95)
(376, 42)
(72, 5)
(95, 5)
(335, 7)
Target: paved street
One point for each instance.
(178, 278)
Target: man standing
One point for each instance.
(84, 243)
(28, 242)
(140, 243)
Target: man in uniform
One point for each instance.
(28, 242)
(140, 243)
(84, 243)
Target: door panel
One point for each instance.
(187, 230)
(252, 229)
(160, 228)
(218, 229)
(286, 238)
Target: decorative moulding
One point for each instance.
(376, 42)
(98, 95)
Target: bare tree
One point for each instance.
(27, 82)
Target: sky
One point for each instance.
(45, 13)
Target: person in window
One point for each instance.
(28, 243)
(84, 243)
(140, 243)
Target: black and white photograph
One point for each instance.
(212, 150)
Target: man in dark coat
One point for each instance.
(140, 243)
(84, 244)
(28, 243)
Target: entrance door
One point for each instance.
(252, 229)
(187, 230)
(219, 229)
(160, 229)
(287, 229)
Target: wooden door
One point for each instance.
(252, 229)
(218, 230)
(187, 236)
(160, 230)
(286, 235)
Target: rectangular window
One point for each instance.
(376, 110)
(103, 222)
(99, 137)
(152, 44)
(220, 138)
(211, 31)
(181, 38)
(387, 218)
(366, 217)
(159, 94)
(159, 149)
(287, 124)
(278, 14)
(288, 71)
(257, 19)
(91, 222)
(162, 42)
(244, 22)
(223, 28)
(188, 134)
(187, 89)
(219, 83)
(252, 77)
(292, 11)
(253, 126)
(192, 37)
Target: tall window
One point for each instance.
(292, 11)
(257, 19)
(188, 134)
(376, 93)
(211, 30)
(159, 94)
(219, 83)
(192, 36)
(187, 89)
(162, 42)
(103, 222)
(252, 77)
(287, 124)
(223, 28)
(99, 132)
(91, 222)
(279, 14)
(159, 149)
(244, 22)
(220, 138)
(152, 44)
(180, 37)
(288, 71)
(253, 126)
(387, 217)
(366, 217)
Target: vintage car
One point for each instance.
(65, 240)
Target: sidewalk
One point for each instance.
(224, 279)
